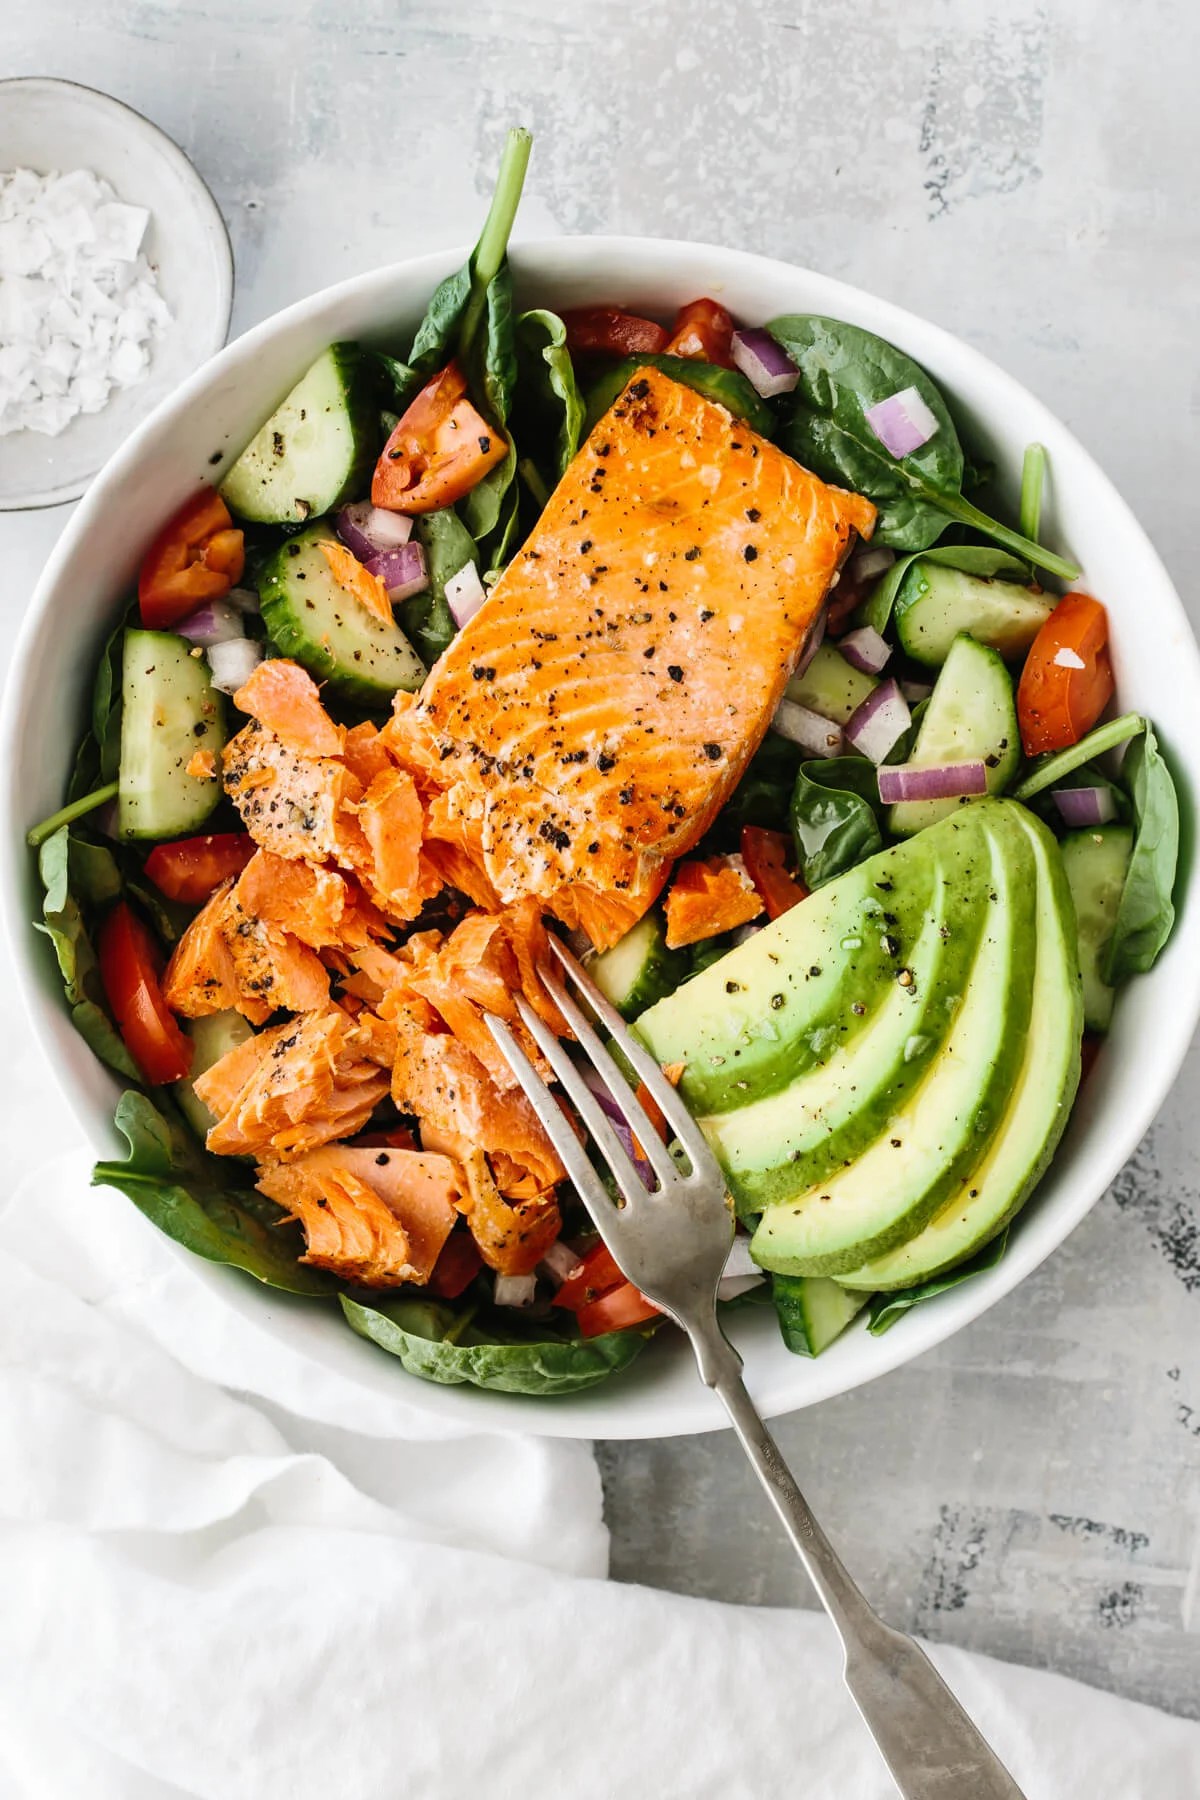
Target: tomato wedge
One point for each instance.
(129, 966)
(606, 331)
(199, 556)
(615, 1311)
(595, 1274)
(439, 451)
(703, 330)
(1067, 680)
(456, 1267)
(193, 868)
(766, 855)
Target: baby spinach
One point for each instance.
(549, 401)
(1146, 911)
(887, 1308)
(1049, 770)
(726, 386)
(453, 1346)
(983, 560)
(76, 874)
(426, 619)
(835, 816)
(194, 1198)
(763, 795)
(844, 371)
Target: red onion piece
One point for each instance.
(902, 422)
(216, 622)
(616, 1118)
(465, 594)
(949, 781)
(233, 663)
(402, 571)
(865, 649)
(515, 1290)
(1083, 807)
(765, 364)
(245, 599)
(882, 719)
(814, 733)
(368, 530)
(107, 821)
(868, 562)
(914, 691)
(815, 639)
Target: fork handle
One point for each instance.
(929, 1744)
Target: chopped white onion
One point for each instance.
(880, 722)
(739, 1261)
(465, 594)
(515, 1290)
(814, 733)
(765, 364)
(233, 663)
(902, 422)
(245, 599)
(559, 1262)
(731, 1286)
(865, 650)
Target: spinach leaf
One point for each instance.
(426, 619)
(550, 407)
(726, 386)
(1146, 911)
(844, 371)
(887, 1308)
(1033, 482)
(526, 1357)
(70, 869)
(836, 816)
(764, 794)
(983, 560)
(1049, 771)
(397, 380)
(106, 703)
(194, 1198)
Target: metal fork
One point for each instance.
(672, 1242)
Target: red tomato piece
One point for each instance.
(704, 331)
(456, 1267)
(198, 557)
(606, 331)
(615, 1311)
(192, 868)
(767, 855)
(129, 969)
(1067, 680)
(595, 1274)
(439, 451)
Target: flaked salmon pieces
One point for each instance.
(377, 1215)
(600, 707)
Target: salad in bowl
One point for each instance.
(688, 638)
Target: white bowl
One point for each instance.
(45, 125)
(1158, 670)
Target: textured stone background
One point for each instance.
(1024, 174)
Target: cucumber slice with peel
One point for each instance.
(971, 716)
(316, 450)
(212, 1037)
(813, 1310)
(935, 604)
(169, 710)
(639, 970)
(1096, 862)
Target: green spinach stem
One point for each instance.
(1033, 480)
(492, 247)
(966, 514)
(1052, 768)
(76, 810)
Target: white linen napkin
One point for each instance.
(227, 1574)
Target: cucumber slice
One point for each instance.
(831, 686)
(331, 634)
(813, 1310)
(639, 970)
(935, 604)
(970, 714)
(1096, 862)
(169, 710)
(212, 1037)
(316, 450)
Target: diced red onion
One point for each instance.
(368, 530)
(744, 933)
(731, 1286)
(878, 724)
(949, 781)
(107, 820)
(465, 594)
(232, 663)
(765, 364)
(515, 1290)
(914, 691)
(216, 622)
(902, 422)
(814, 733)
(402, 571)
(815, 639)
(1083, 807)
(245, 599)
(559, 1262)
(616, 1118)
(868, 562)
(865, 650)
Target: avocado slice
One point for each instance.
(998, 1186)
(893, 1187)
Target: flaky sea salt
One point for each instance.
(79, 304)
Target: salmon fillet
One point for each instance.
(374, 1216)
(598, 710)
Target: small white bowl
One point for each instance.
(219, 409)
(58, 125)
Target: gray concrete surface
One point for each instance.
(1024, 174)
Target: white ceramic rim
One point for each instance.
(597, 1412)
(40, 499)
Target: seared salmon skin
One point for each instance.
(600, 707)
